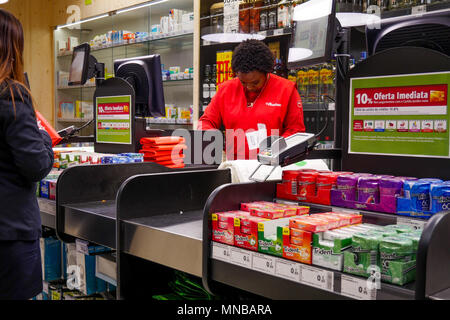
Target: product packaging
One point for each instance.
(297, 245)
(328, 248)
(223, 226)
(363, 254)
(270, 236)
(397, 265)
(246, 232)
(51, 258)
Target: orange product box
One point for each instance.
(354, 218)
(246, 232)
(297, 248)
(309, 224)
(289, 211)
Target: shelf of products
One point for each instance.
(164, 28)
(277, 251)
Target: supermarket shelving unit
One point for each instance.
(279, 278)
(176, 49)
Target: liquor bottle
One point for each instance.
(283, 15)
(273, 15)
(213, 81)
(244, 16)
(302, 84)
(264, 16)
(254, 15)
(292, 76)
(323, 81)
(206, 87)
(280, 69)
(313, 90)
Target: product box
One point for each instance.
(246, 232)
(268, 213)
(187, 22)
(396, 260)
(66, 110)
(87, 110)
(86, 262)
(52, 189)
(270, 236)
(51, 251)
(45, 189)
(223, 226)
(309, 223)
(328, 248)
(363, 254)
(297, 245)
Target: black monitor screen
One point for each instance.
(79, 67)
(313, 34)
(145, 76)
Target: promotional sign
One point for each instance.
(400, 115)
(224, 71)
(113, 120)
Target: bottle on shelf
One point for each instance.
(255, 15)
(302, 84)
(313, 87)
(264, 16)
(283, 17)
(333, 78)
(244, 16)
(206, 86)
(216, 12)
(280, 68)
(273, 15)
(393, 4)
(213, 82)
(292, 76)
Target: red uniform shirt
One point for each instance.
(278, 107)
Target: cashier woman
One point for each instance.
(257, 103)
(26, 157)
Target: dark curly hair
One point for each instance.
(252, 55)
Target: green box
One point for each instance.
(396, 257)
(363, 254)
(270, 236)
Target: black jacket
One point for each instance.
(26, 157)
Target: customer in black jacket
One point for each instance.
(26, 157)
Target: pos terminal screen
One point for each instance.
(79, 66)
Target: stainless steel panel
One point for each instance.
(92, 221)
(173, 240)
(48, 212)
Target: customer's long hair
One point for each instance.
(12, 76)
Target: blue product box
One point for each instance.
(51, 258)
(45, 189)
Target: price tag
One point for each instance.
(263, 33)
(357, 288)
(318, 278)
(278, 32)
(82, 246)
(221, 252)
(287, 270)
(241, 257)
(263, 263)
(416, 224)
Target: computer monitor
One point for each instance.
(79, 68)
(145, 76)
(313, 34)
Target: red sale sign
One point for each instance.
(113, 110)
(407, 100)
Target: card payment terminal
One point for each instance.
(279, 151)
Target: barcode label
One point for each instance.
(241, 257)
(263, 263)
(221, 252)
(317, 277)
(287, 270)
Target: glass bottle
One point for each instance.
(273, 15)
(292, 76)
(283, 17)
(264, 16)
(313, 92)
(254, 15)
(244, 16)
(216, 12)
(206, 83)
(213, 81)
(302, 84)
